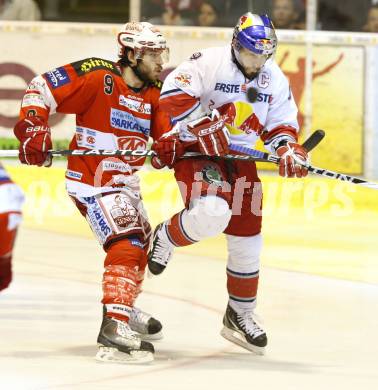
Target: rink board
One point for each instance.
(341, 98)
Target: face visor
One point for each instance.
(250, 61)
(152, 56)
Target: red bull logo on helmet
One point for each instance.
(245, 22)
(264, 44)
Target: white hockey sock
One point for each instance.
(242, 307)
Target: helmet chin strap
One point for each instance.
(240, 67)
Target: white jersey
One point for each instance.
(11, 195)
(211, 79)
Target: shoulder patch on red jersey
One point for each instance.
(57, 77)
(92, 64)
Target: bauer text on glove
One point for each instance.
(34, 135)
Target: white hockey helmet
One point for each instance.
(142, 37)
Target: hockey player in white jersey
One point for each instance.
(206, 97)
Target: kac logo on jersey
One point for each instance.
(91, 140)
(132, 143)
(125, 121)
(57, 77)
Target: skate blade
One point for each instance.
(151, 337)
(112, 355)
(237, 338)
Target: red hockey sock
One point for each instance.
(120, 280)
(242, 287)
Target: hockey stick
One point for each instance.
(257, 155)
(251, 153)
(309, 144)
(88, 152)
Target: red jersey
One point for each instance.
(109, 115)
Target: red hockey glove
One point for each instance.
(34, 135)
(168, 149)
(292, 155)
(212, 134)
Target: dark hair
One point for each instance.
(124, 60)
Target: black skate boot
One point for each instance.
(118, 343)
(161, 251)
(148, 327)
(243, 330)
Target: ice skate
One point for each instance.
(119, 344)
(243, 330)
(148, 327)
(161, 251)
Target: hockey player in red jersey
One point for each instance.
(206, 96)
(116, 107)
(11, 200)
